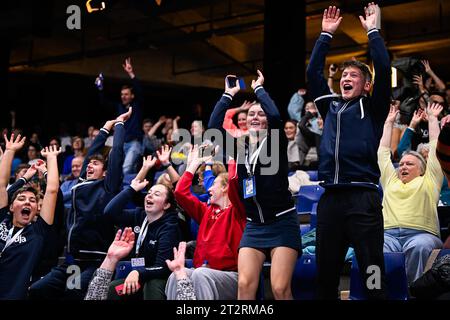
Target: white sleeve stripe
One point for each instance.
(258, 88)
(324, 33)
(371, 31)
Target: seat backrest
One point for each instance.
(396, 281)
(304, 278)
(123, 268)
(307, 196)
(313, 175)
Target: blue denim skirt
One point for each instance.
(284, 231)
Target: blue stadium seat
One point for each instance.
(307, 196)
(396, 281)
(194, 229)
(304, 278)
(123, 268)
(189, 263)
(157, 175)
(443, 252)
(313, 221)
(313, 175)
(304, 228)
(128, 178)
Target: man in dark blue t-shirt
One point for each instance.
(21, 235)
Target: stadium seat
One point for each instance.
(157, 175)
(189, 263)
(304, 278)
(313, 220)
(123, 268)
(128, 178)
(194, 229)
(443, 252)
(313, 175)
(396, 281)
(304, 228)
(307, 196)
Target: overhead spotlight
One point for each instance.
(91, 9)
(158, 2)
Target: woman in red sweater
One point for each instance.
(221, 224)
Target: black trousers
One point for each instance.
(350, 216)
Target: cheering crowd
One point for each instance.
(146, 197)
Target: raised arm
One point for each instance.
(119, 249)
(183, 194)
(433, 111)
(318, 85)
(51, 192)
(382, 83)
(98, 144)
(13, 145)
(113, 178)
(185, 288)
(19, 183)
(115, 210)
(156, 126)
(388, 125)
(440, 85)
(218, 114)
(267, 104)
(296, 104)
(164, 158)
(406, 140)
(147, 163)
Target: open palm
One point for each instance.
(331, 19)
(122, 244)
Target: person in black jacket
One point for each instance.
(22, 237)
(272, 230)
(131, 96)
(89, 231)
(157, 233)
(349, 212)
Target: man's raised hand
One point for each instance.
(372, 12)
(331, 19)
(128, 67)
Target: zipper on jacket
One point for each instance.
(74, 220)
(261, 217)
(336, 148)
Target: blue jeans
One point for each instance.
(132, 151)
(417, 246)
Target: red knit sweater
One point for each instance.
(220, 231)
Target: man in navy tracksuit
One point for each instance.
(350, 211)
(89, 231)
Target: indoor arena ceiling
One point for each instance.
(198, 42)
